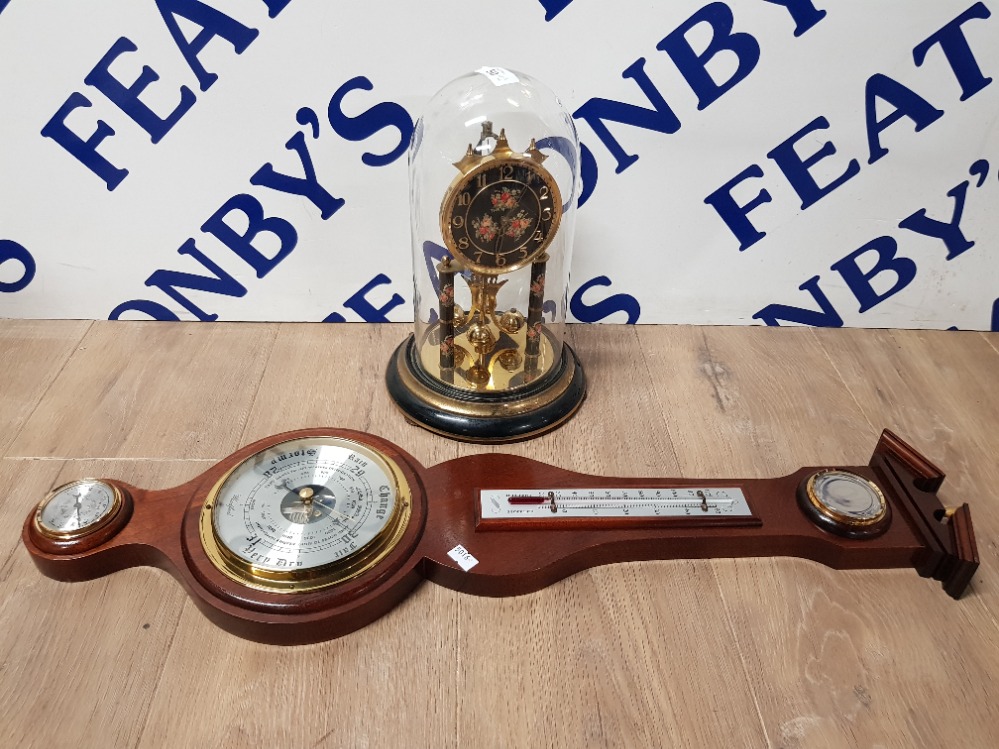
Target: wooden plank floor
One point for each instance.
(729, 653)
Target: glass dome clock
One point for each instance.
(494, 178)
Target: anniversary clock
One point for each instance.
(309, 535)
(493, 175)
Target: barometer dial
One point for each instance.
(77, 509)
(305, 514)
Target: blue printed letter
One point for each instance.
(366, 124)
(693, 66)
(957, 51)
(860, 281)
(242, 244)
(213, 23)
(275, 6)
(950, 232)
(554, 7)
(219, 282)
(825, 317)
(796, 168)
(907, 104)
(127, 97)
(804, 13)
(307, 187)
(614, 303)
(367, 311)
(85, 151)
(10, 250)
(735, 215)
(661, 119)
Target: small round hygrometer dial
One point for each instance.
(845, 503)
(77, 509)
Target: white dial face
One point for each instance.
(304, 504)
(76, 508)
(849, 495)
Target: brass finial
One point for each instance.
(534, 153)
(468, 160)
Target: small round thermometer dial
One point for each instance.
(305, 514)
(845, 503)
(78, 509)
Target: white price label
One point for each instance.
(465, 560)
(499, 76)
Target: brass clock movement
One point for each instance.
(487, 361)
(499, 215)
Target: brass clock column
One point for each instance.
(487, 364)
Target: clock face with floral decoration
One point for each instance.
(502, 213)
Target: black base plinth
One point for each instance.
(485, 416)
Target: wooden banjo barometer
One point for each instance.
(312, 534)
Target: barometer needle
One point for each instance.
(336, 512)
(327, 493)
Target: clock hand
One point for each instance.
(504, 225)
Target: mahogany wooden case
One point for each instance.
(162, 530)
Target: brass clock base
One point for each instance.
(485, 416)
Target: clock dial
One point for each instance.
(501, 215)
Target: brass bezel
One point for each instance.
(497, 158)
(333, 573)
(838, 517)
(104, 521)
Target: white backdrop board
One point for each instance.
(812, 162)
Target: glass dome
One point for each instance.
(494, 176)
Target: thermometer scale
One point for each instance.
(616, 507)
(311, 534)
